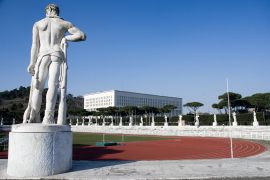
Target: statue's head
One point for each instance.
(52, 10)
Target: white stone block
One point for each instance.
(37, 150)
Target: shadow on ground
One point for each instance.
(93, 153)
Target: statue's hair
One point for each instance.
(53, 7)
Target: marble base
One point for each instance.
(37, 150)
(255, 123)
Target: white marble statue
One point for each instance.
(130, 120)
(103, 122)
(121, 121)
(90, 121)
(48, 60)
(197, 121)
(70, 122)
(13, 121)
(255, 121)
(82, 122)
(77, 122)
(180, 117)
(2, 121)
(141, 124)
(215, 120)
(166, 120)
(153, 120)
(234, 119)
(111, 121)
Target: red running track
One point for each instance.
(178, 148)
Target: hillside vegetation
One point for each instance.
(14, 102)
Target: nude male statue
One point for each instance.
(47, 59)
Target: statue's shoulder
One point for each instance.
(41, 23)
(65, 23)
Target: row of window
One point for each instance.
(135, 101)
(98, 101)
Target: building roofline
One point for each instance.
(98, 92)
(131, 92)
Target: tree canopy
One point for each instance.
(259, 101)
(194, 106)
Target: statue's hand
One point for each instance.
(31, 69)
(63, 43)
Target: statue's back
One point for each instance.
(51, 32)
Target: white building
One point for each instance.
(117, 98)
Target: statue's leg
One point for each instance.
(51, 97)
(37, 91)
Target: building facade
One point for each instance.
(115, 98)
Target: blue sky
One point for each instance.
(167, 47)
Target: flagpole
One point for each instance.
(229, 112)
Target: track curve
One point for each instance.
(178, 148)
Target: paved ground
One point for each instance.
(255, 167)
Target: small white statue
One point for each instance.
(166, 121)
(83, 121)
(130, 120)
(2, 121)
(121, 121)
(141, 124)
(104, 122)
(77, 123)
(13, 121)
(255, 121)
(96, 121)
(112, 121)
(153, 120)
(49, 60)
(234, 119)
(70, 122)
(215, 120)
(180, 120)
(90, 121)
(197, 121)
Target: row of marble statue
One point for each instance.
(2, 121)
(181, 122)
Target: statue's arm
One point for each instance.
(34, 50)
(75, 34)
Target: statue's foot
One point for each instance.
(49, 117)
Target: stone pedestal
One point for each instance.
(37, 150)
(255, 123)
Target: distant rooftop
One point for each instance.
(99, 92)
